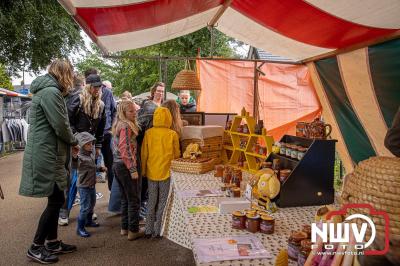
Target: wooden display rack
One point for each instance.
(252, 138)
(311, 181)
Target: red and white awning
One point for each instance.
(295, 29)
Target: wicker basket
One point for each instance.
(186, 80)
(206, 145)
(376, 181)
(198, 166)
(216, 155)
(227, 139)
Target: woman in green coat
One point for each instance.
(44, 172)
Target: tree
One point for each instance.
(33, 32)
(137, 75)
(5, 81)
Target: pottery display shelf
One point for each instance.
(252, 160)
(310, 182)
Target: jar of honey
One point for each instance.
(294, 244)
(267, 224)
(282, 150)
(238, 173)
(288, 150)
(307, 229)
(293, 153)
(227, 176)
(236, 192)
(219, 170)
(238, 220)
(305, 249)
(252, 223)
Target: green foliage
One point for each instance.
(339, 172)
(137, 75)
(5, 81)
(93, 59)
(33, 32)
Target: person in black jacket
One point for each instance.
(86, 113)
(392, 139)
(187, 103)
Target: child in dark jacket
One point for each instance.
(86, 165)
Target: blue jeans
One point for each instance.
(114, 204)
(88, 201)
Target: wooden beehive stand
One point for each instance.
(235, 150)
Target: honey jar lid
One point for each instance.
(238, 213)
(298, 235)
(236, 189)
(267, 218)
(252, 216)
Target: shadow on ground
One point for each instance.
(19, 216)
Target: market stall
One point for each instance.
(345, 65)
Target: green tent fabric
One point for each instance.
(384, 61)
(354, 135)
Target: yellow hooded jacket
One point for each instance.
(160, 146)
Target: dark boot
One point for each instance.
(81, 231)
(90, 222)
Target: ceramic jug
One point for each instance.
(318, 129)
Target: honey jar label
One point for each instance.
(266, 227)
(293, 251)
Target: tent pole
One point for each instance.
(143, 57)
(219, 13)
(255, 93)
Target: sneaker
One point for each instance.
(41, 255)
(77, 201)
(143, 211)
(94, 216)
(58, 247)
(124, 232)
(63, 221)
(99, 195)
(135, 235)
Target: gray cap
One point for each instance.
(84, 137)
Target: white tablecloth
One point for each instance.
(181, 227)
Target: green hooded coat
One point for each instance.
(49, 140)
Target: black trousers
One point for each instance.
(130, 197)
(144, 186)
(48, 222)
(108, 158)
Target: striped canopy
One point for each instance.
(295, 29)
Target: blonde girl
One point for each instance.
(125, 130)
(173, 107)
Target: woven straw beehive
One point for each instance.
(186, 80)
(376, 181)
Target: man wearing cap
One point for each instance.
(86, 112)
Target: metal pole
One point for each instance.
(255, 92)
(197, 58)
(165, 78)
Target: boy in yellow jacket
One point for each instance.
(160, 146)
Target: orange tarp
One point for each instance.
(286, 92)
